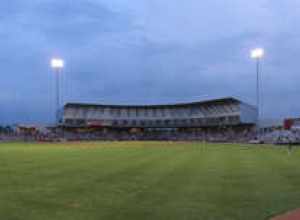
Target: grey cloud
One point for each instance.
(146, 52)
(65, 22)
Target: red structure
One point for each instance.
(291, 123)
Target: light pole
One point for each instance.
(258, 54)
(57, 65)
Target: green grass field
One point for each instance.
(139, 180)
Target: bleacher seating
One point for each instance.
(210, 113)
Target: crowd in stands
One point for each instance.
(281, 137)
(209, 135)
(237, 134)
(7, 133)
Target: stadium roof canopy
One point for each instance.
(182, 104)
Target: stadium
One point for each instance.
(191, 160)
(149, 110)
(185, 121)
(208, 159)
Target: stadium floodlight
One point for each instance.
(258, 54)
(57, 65)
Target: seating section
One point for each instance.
(181, 115)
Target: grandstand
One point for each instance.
(212, 113)
(222, 120)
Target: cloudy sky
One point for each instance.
(151, 51)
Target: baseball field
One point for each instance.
(147, 180)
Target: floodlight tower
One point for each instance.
(258, 54)
(57, 65)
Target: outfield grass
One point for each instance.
(138, 180)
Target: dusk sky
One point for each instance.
(147, 52)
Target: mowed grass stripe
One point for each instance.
(179, 192)
(152, 184)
